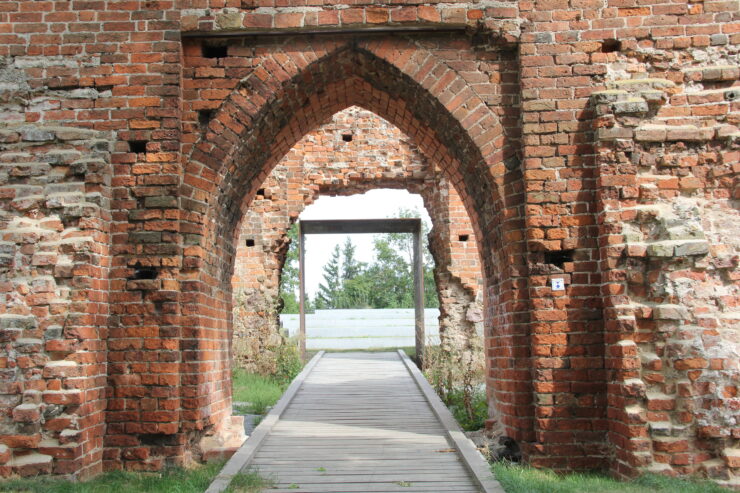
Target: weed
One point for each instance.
(405, 484)
(469, 421)
(288, 363)
(249, 482)
(457, 373)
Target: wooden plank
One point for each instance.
(250, 447)
(361, 423)
(361, 226)
(473, 460)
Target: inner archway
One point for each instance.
(354, 152)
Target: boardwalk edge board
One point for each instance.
(251, 446)
(471, 457)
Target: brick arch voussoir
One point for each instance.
(286, 98)
(448, 87)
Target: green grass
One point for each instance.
(261, 392)
(173, 480)
(516, 478)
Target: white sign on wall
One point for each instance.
(558, 284)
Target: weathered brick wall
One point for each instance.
(503, 110)
(668, 158)
(54, 260)
(355, 152)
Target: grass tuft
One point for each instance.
(260, 391)
(517, 478)
(173, 480)
(249, 482)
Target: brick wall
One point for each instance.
(633, 367)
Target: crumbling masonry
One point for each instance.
(355, 152)
(593, 141)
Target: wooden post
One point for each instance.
(419, 295)
(302, 289)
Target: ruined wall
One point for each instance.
(668, 157)
(353, 153)
(610, 372)
(54, 261)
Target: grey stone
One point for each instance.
(718, 39)
(53, 332)
(37, 135)
(700, 247)
(670, 312)
(630, 106)
(160, 201)
(229, 20)
(660, 249)
(12, 321)
(61, 156)
(145, 237)
(73, 133)
(85, 93)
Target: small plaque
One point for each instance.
(558, 284)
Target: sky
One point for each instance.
(375, 204)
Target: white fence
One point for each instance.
(362, 329)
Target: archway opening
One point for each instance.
(264, 119)
(364, 282)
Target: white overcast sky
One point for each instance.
(375, 204)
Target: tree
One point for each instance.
(351, 268)
(403, 243)
(390, 277)
(329, 290)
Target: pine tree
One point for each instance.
(329, 290)
(351, 268)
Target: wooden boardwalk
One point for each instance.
(360, 422)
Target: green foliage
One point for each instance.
(289, 281)
(456, 401)
(516, 478)
(351, 268)
(289, 363)
(458, 375)
(263, 391)
(388, 282)
(173, 480)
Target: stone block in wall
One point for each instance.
(31, 464)
(716, 73)
(670, 312)
(641, 84)
(673, 133)
(731, 457)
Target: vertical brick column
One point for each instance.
(566, 332)
(139, 42)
